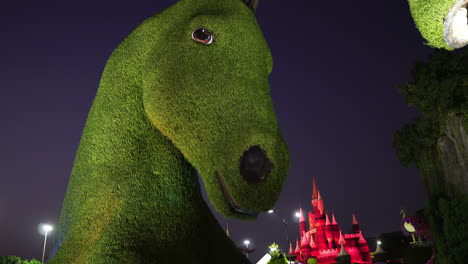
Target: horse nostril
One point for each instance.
(255, 165)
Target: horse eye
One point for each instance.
(202, 35)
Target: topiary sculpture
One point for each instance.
(443, 23)
(187, 91)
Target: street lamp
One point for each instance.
(285, 222)
(298, 215)
(246, 243)
(46, 228)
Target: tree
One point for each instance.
(277, 257)
(439, 90)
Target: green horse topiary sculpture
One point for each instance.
(187, 91)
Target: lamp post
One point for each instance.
(285, 222)
(246, 243)
(298, 214)
(47, 229)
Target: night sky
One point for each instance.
(336, 68)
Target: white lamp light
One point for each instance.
(46, 228)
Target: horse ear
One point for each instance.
(252, 4)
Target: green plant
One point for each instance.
(9, 260)
(449, 228)
(277, 257)
(440, 92)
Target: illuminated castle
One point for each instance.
(325, 241)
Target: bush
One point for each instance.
(9, 260)
(277, 256)
(17, 260)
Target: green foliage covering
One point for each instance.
(416, 142)
(17, 260)
(447, 217)
(440, 92)
(277, 257)
(417, 255)
(429, 18)
(166, 107)
(439, 89)
(10, 260)
(312, 261)
(441, 85)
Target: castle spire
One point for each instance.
(334, 220)
(301, 219)
(355, 222)
(297, 250)
(327, 220)
(341, 240)
(362, 240)
(290, 249)
(356, 227)
(315, 189)
(312, 242)
(304, 241)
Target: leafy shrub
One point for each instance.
(17, 260)
(9, 260)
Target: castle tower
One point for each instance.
(314, 189)
(317, 201)
(311, 221)
(302, 223)
(319, 218)
(335, 230)
(356, 227)
(297, 251)
(306, 251)
(341, 240)
(320, 203)
(313, 246)
(329, 232)
(291, 251)
(363, 248)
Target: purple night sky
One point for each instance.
(336, 68)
